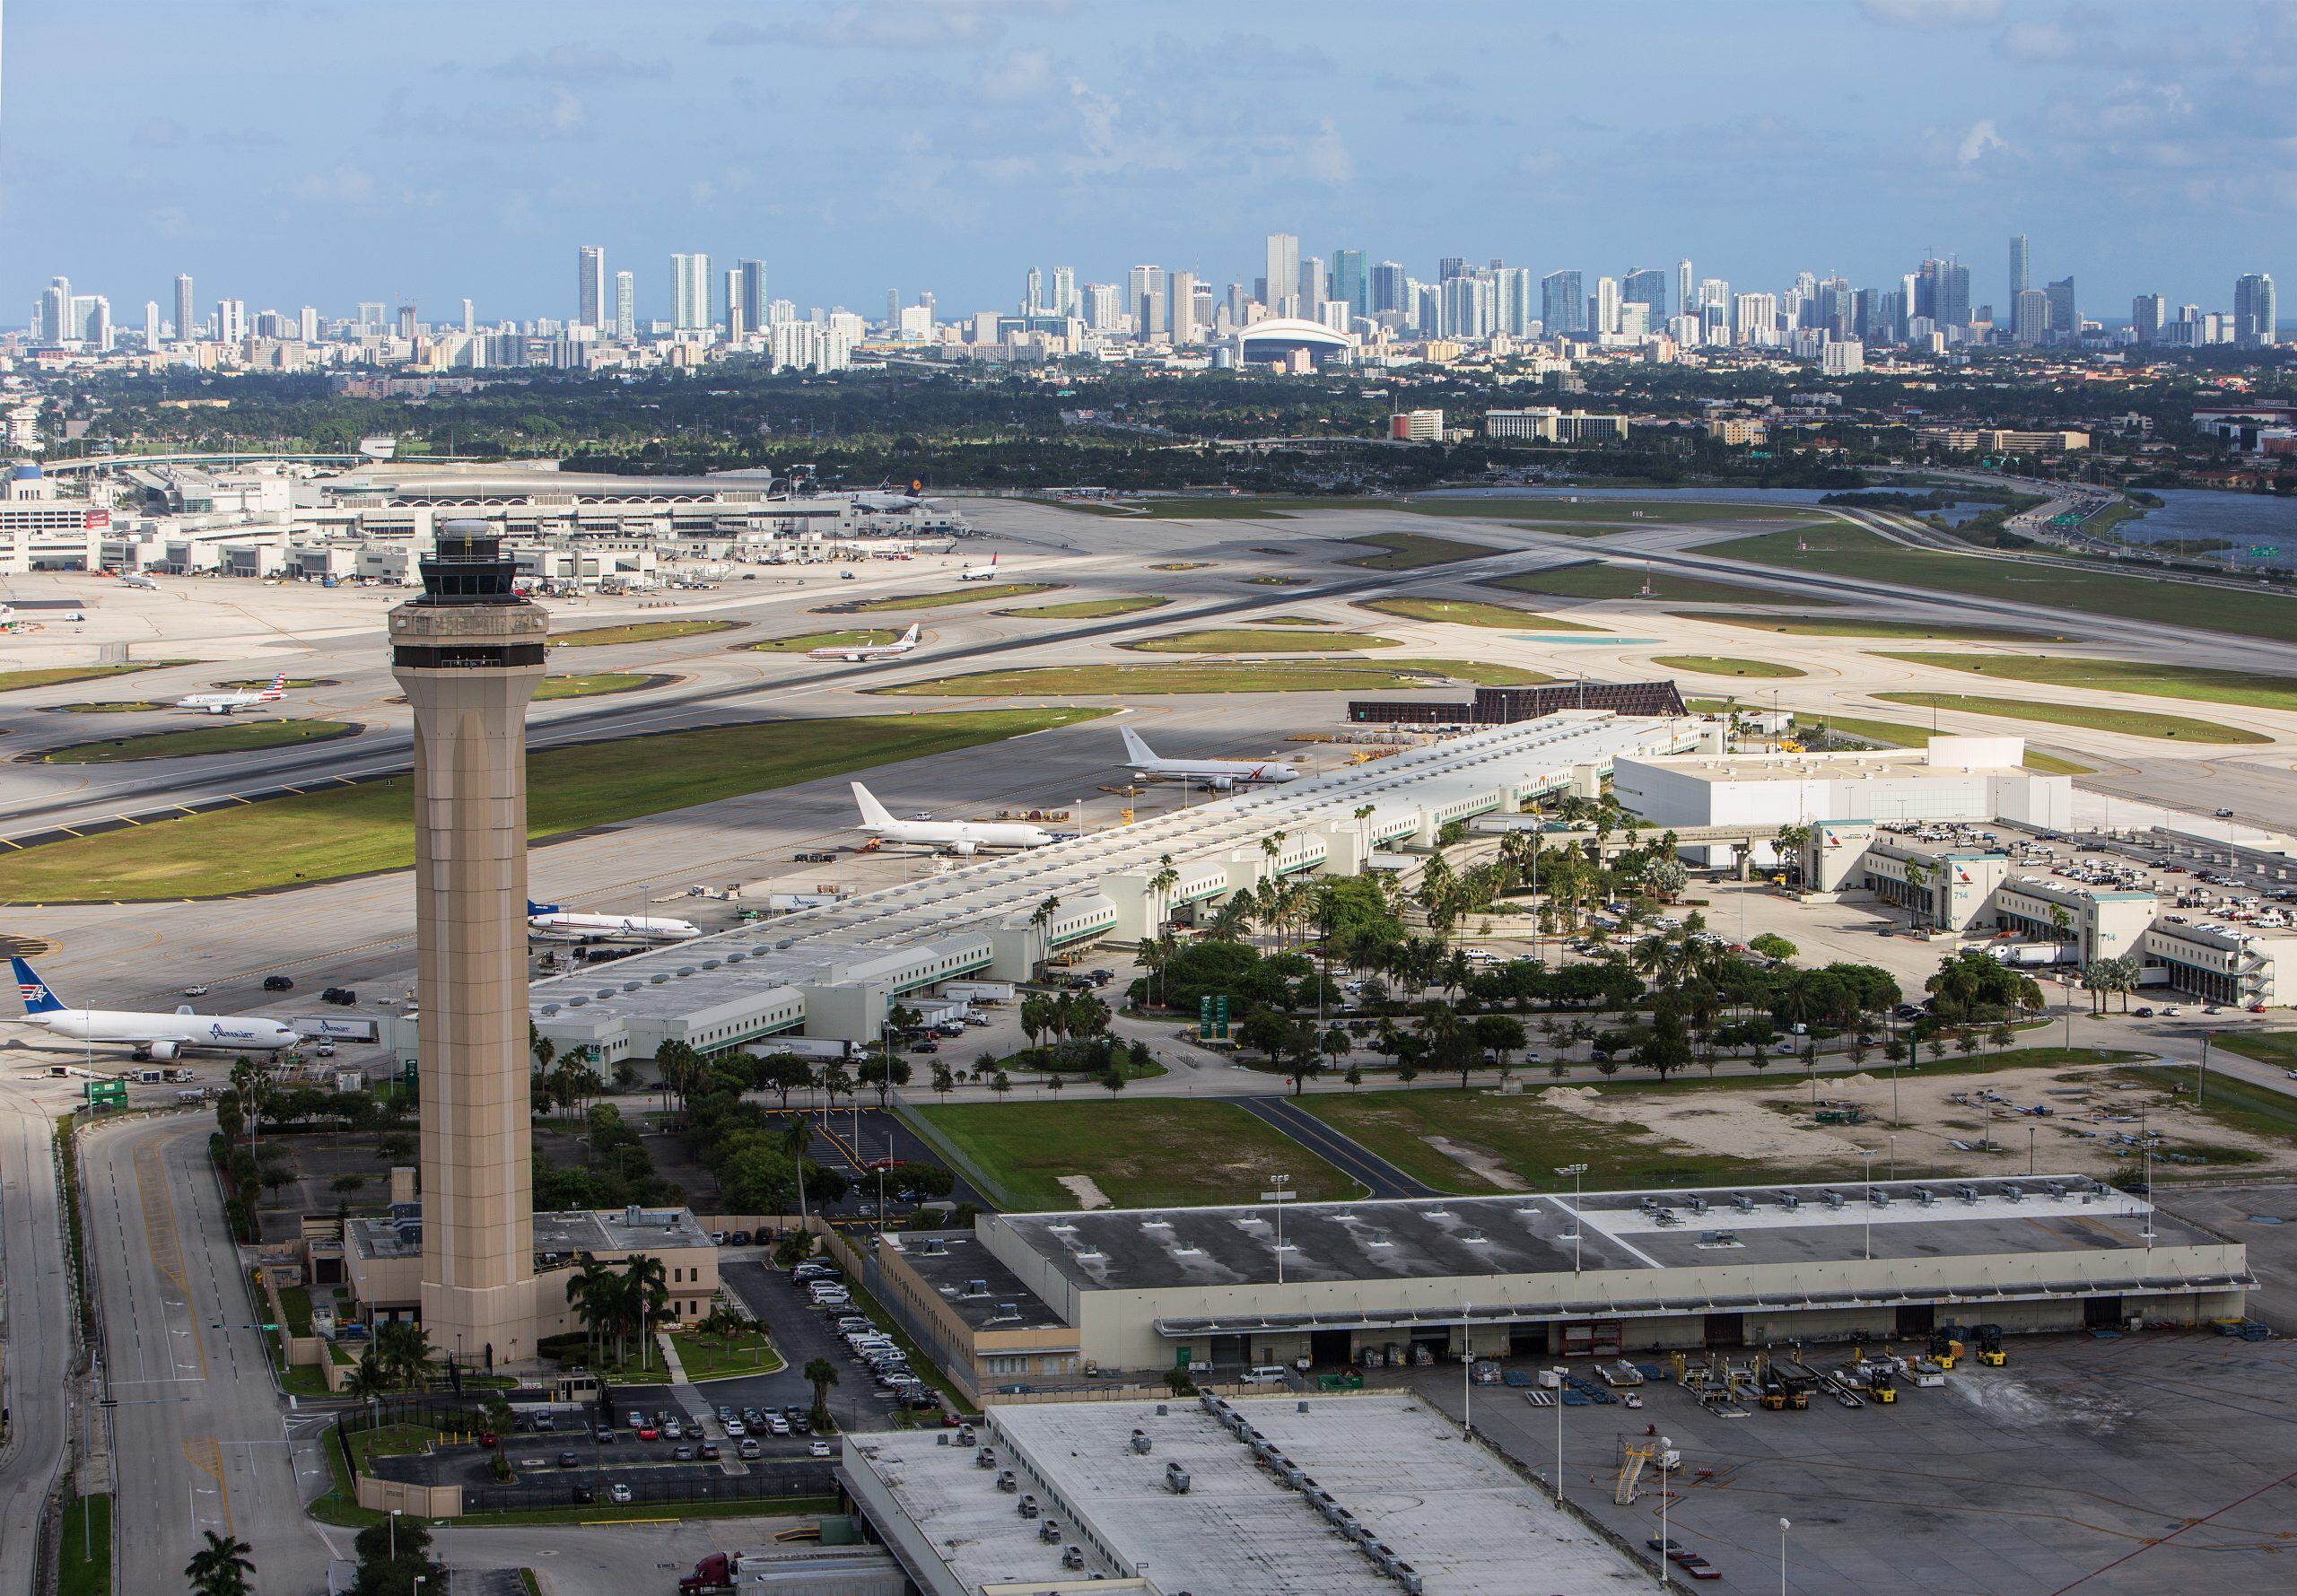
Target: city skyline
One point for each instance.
(1049, 136)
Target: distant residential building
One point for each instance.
(1842, 357)
(2256, 310)
(1102, 306)
(591, 285)
(186, 325)
(2065, 318)
(690, 292)
(231, 320)
(1349, 282)
(1283, 269)
(1646, 287)
(1607, 303)
(625, 305)
(1065, 290)
(2147, 312)
(1563, 305)
(2018, 279)
(2030, 318)
(1417, 426)
(1181, 312)
(1388, 288)
(1735, 430)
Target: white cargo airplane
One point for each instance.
(550, 917)
(1220, 774)
(958, 836)
(864, 653)
(223, 704)
(160, 1037)
(979, 573)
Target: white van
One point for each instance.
(1264, 1374)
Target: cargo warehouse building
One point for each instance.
(1505, 706)
(1541, 1276)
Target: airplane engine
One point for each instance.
(1222, 783)
(161, 1053)
(963, 850)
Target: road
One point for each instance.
(38, 1320)
(200, 1437)
(1381, 1178)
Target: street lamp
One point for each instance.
(1467, 1373)
(1665, 1545)
(1783, 1526)
(1574, 1170)
(1279, 1182)
(394, 1539)
(1867, 1191)
(1559, 1439)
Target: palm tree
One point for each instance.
(646, 1297)
(406, 1354)
(219, 1567)
(821, 1374)
(593, 1294)
(367, 1378)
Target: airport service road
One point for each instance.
(625, 1559)
(40, 1342)
(201, 1440)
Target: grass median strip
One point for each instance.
(1410, 551)
(1471, 611)
(1865, 626)
(1255, 640)
(1151, 1153)
(231, 737)
(1859, 554)
(639, 632)
(350, 830)
(852, 637)
(57, 675)
(1598, 579)
(1724, 665)
(1285, 676)
(2198, 683)
(2131, 723)
(965, 593)
(593, 684)
(1087, 609)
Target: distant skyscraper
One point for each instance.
(56, 310)
(1182, 317)
(1387, 288)
(231, 320)
(2147, 312)
(1144, 292)
(1348, 281)
(407, 323)
(690, 292)
(754, 300)
(1032, 293)
(185, 327)
(1283, 273)
(736, 324)
(1312, 288)
(1954, 295)
(1606, 305)
(2065, 318)
(308, 324)
(2256, 310)
(150, 324)
(591, 285)
(625, 305)
(470, 318)
(2018, 277)
(1563, 304)
(1646, 287)
(1684, 291)
(1065, 290)
(2029, 317)
(1102, 304)
(1451, 267)
(1754, 318)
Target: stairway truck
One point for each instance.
(714, 1575)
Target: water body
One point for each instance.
(2246, 521)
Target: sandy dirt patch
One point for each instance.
(1478, 1161)
(1087, 1191)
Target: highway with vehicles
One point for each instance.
(37, 1320)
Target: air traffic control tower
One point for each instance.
(469, 653)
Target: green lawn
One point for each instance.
(1472, 611)
(119, 706)
(590, 686)
(1149, 1152)
(1410, 551)
(2238, 1105)
(1857, 626)
(1852, 552)
(2277, 1048)
(1532, 1140)
(230, 736)
(1596, 579)
(1726, 665)
(968, 593)
(639, 632)
(295, 1303)
(2135, 723)
(708, 1357)
(291, 685)
(1252, 639)
(850, 638)
(1184, 565)
(1087, 609)
(84, 1546)
(1628, 512)
(1288, 675)
(57, 674)
(1904, 735)
(2124, 676)
(348, 831)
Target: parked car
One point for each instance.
(620, 1494)
(707, 1452)
(819, 1449)
(683, 1455)
(278, 984)
(736, 1429)
(196, 989)
(751, 1450)
(567, 1460)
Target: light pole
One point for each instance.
(1467, 1373)
(1894, 1157)
(1559, 1439)
(1574, 1170)
(1867, 1192)
(1665, 1545)
(394, 1539)
(1783, 1526)
(1279, 1182)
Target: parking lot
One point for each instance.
(802, 1332)
(2142, 1463)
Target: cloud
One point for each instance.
(345, 185)
(157, 132)
(1932, 15)
(1018, 74)
(581, 63)
(1981, 138)
(1326, 157)
(2032, 44)
(562, 117)
(883, 25)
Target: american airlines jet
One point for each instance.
(979, 573)
(223, 704)
(958, 836)
(153, 1035)
(1220, 774)
(550, 917)
(864, 653)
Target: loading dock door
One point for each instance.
(1917, 1318)
(1727, 1330)
(1592, 1337)
(2101, 1313)
(1330, 1348)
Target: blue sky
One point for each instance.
(316, 151)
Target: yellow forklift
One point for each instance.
(1989, 1346)
(1946, 1345)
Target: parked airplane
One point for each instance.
(550, 917)
(152, 1035)
(223, 704)
(864, 653)
(979, 573)
(139, 582)
(1220, 774)
(958, 836)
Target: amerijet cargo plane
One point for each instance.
(1220, 774)
(156, 1035)
(550, 917)
(863, 653)
(958, 836)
